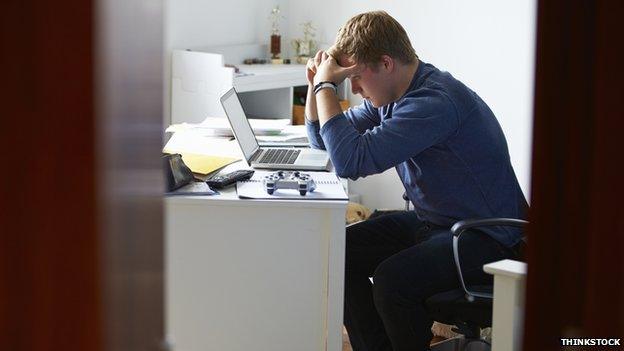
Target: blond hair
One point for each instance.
(368, 36)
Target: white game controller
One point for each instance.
(288, 180)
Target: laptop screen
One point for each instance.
(239, 123)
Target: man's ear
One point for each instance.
(387, 63)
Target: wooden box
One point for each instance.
(299, 111)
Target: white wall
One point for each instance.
(203, 23)
(487, 44)
(197, 23)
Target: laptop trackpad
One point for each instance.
(312, 157)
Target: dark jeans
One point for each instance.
(409, 261)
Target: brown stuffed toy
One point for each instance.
(356, 213)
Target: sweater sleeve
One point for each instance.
(362, 118)
(314, 137)
(416, 122)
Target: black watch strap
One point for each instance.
(325, 84)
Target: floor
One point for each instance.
(346, 346)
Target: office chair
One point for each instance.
(469, 309)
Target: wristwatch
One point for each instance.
(323, 85)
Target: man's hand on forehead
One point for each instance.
(349, 61)
(346, 61)
(329, 70)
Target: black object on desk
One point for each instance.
(177, 173)
(221, 181)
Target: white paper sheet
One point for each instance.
(328, 187)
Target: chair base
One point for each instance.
(461, 344)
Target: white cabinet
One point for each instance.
(199, 77)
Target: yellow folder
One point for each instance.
(204, 164)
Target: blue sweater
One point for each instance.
(444, 142)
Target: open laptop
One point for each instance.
(270, 158)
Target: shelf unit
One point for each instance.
(200, 77)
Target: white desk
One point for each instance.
(254, 274)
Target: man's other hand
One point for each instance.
(310, 71)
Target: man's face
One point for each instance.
(370, 84)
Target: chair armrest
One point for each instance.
(460, 227)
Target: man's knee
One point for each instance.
(388, 282)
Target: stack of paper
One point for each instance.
(290, 136)
(220, 127)
(196, 143)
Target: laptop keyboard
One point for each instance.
(280, 156)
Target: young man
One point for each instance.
(451, 155)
